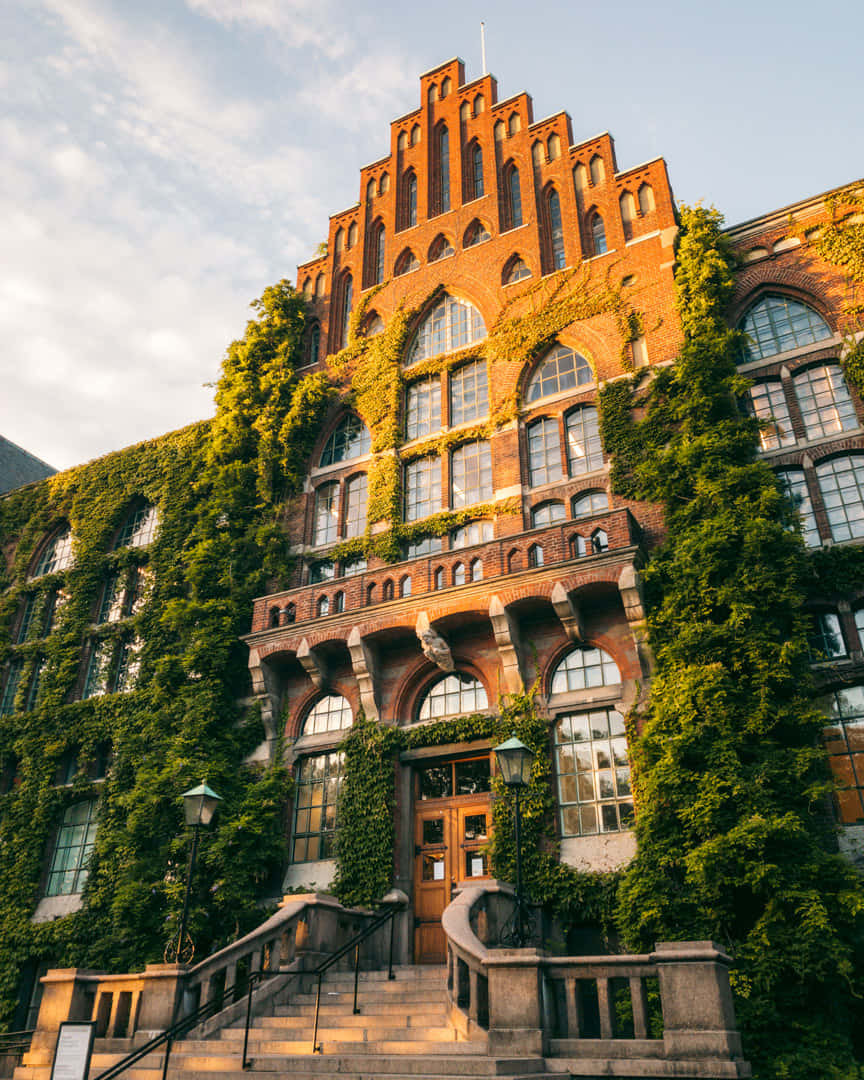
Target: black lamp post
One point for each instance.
(514, 760)
(199, 806)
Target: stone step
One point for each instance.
(282, 1043)
(370, 997)
(384, 1018)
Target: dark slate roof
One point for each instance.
(18, 467)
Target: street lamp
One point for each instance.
(199, 806)
(515, 760)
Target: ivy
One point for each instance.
(729, 781)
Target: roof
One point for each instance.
(19, 467)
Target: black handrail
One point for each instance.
(203, 1012)
(381, 920)
(14, 1042)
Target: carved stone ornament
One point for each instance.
(436, 649)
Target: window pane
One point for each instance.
(355, 510)
(583, 668)
(794, 484)
(584, 756)
(139, 528)
(562, 369)
(350, 440)
(592, 502)
(844, 741)
(471, 474)
(422, 488)
(332, 713)
(326, 514)
(767, 402)
(841, 482)
(453, 695)
(826, 407)
(72, 850)
(476, 532)
(423, 408)
(584, 448)
(452, 324)
(315, 825)
(547, 514)
(544, 452)
(469, 398)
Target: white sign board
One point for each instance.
(72, 1052)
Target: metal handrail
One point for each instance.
(12, 1042)
(203, 1012)
(386, 916)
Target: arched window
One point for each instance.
(307, 288)
(112, 606)
(56, 555)
(841, 482)
(535, 555)
(370, 191)
(470, 474)
(352, 234)
(561, 369)
(405, 586)
(349, 440)
(514, 124)
(598, 234)
(474, 171)
(767, 402)
(402, 141)
(317, 780)
(376, 257)
(628, 213)
(374, 325)
(455, 695)
(776, 324)
(446, 87)
(387, 591)
(469, 396)
(599, 541)
(312, 344)
(326, 514)
(479, 104)
(338, 602)
(544, 452)
(584, 448)
(440, 248)
(339, 241)
(273, 618)
(384, 184)
(320, 285)
(515, 269)
(409, 200)
(346, 300)
(422, 488)
(406, 262)
(370, 593)
(452, 324)
(139, 528)
(423, 407)
(321, 571)
(289, 614)
(415, 135)
(794, 484)
(476, 569)
(825, 637)
(442, 170)
(578, 546)
(553, 147)
(598, 170)
(646, 199)
(459, 574)
(584, 668)
(476, 233)
(331, 713)
(475, 532)
(556, 230)
(513, 193)
(355, 505)
(591, 502)
(25, 618)
(439, 577)
(499, 131)
(580, 178)
(514, 561)
(547, 513)
(826, 407)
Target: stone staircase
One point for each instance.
(401, 1031)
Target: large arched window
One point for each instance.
(548, 513)
(331, 713)
(452, 324)
(826, 407)
(556, 230)
(561, 369)
(139, 527)
(469, 395)
(456, 694)
(56, 555)
(776, 324)
(349, 440)
(841, 482)
(591, 502)
(584, 447)
(583, 668)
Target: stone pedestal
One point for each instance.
(515, 1010)
(698, 1014)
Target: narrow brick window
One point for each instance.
(514, 197)
(442, 171)
(556, 230)
(598, 234)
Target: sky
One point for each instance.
(163, 161)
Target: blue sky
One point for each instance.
(163, 162)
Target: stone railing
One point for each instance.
(656, 1011)
(306, 929)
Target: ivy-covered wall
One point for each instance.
(217, 486)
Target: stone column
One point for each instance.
(698, 1014)
(67, 994)
(162, 984)
(515, 1003)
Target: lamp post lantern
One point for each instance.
(514, 760)
(199, 806)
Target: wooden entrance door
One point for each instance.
(452, 820)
